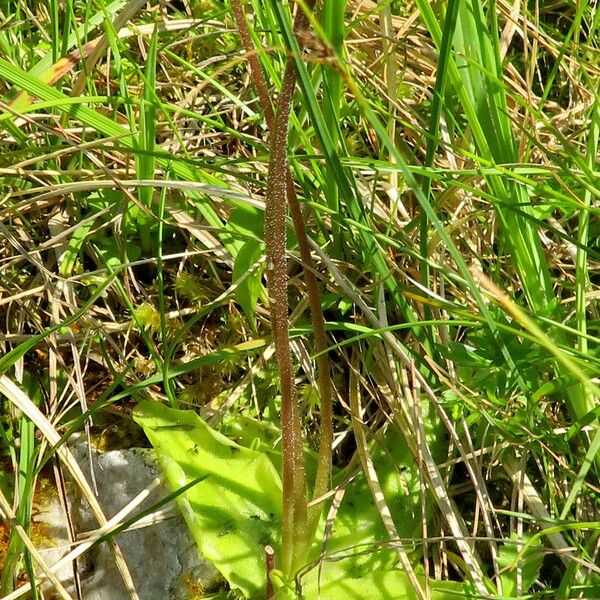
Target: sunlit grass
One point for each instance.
(445, 160)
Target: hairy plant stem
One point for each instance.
(256, 72)
(322, 478)
(295, 526)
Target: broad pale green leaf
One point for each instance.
(510, 563)
(247, 221)
(249, 276)
(335, 584)
(236, 510)
(71, 255)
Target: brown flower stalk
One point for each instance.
(281, 190)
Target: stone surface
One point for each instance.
(163, 559)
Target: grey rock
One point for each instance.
(162, 557)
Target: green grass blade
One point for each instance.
(344, 181)
(110, 128)
(146, 161)
(332, 18)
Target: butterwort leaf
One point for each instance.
(235, 511)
